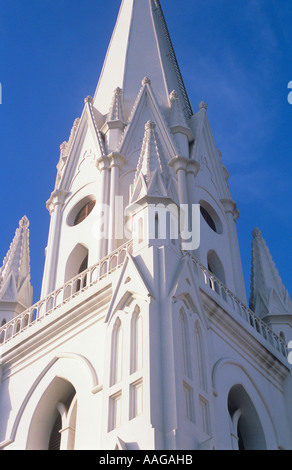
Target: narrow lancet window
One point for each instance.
(117, 353)
(137, 341)
(200, 357)
(185, 344)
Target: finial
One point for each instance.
(203, 105)
(146, 80)
(256, 233)
(24, 222)
(173, 95)
(150, 125)
(88, 99)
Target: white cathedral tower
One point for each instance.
(142, 338)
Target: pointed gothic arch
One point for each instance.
(185, 342)
(116, 353)
(77, 262)
(48, 423)
(229, 375)
(200, 354)
(215, 266)
(136, 340)
(247, 428)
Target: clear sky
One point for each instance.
(236, 55)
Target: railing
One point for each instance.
(107, 265)
(64, 294)
(243, 311)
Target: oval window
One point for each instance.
(84, 212)
(81, 211)
(211, 217)
(208, 218)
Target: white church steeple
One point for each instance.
(142, 338)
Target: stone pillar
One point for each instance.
(103, 165)
(232, 215)
(117, 161)
(180, 167)
(54, 205)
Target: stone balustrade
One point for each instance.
(64, 294)
(106, 266)
(240, 308)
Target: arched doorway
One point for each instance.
(54, 420)
(247, 430)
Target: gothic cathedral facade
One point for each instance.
(142, 338)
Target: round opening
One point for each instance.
(81, 211)
(210, 216)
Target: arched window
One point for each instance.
(77, 262)
(201, 363)
(140, 230)
(185, 341)
(82, 282)
(137, 341)
(117, 353)
(215, 266)
(156, 226)
(282, 336)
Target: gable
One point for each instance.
(87, 147)
(212, 173)
(131, 285)
(146, 109)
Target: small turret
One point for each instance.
(15, 287)
(269, 298)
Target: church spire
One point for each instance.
(268, 293)
(15, 284)
(140, 46)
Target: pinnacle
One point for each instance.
(116, 109)
(203, 105)
(151, 157)
(265, 277)
(256, 233)
(24, 222)
(177, 116)
(17, 258)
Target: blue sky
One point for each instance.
(236, 55)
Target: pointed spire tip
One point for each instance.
(24, 222)
(256, 233)
(203, 105)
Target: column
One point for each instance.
(232, 215)
(54, 205)
(117, 161)
(103, 165)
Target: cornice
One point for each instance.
(57, 198)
